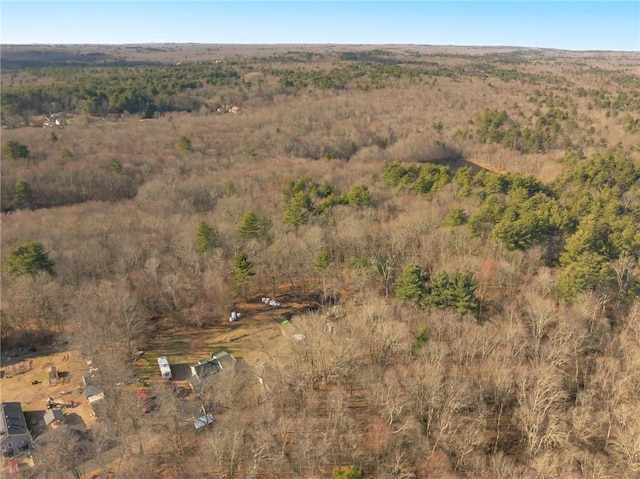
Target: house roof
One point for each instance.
(202, 421)
(224, 359)
(53, 415)
(12, 421)
(93, 391)
(95, 398)
(74, 421)
(206, 367)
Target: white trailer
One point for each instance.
(165, 369)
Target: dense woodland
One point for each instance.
(466, 223)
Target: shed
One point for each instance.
(95, 398)
(93, 393)
(54, 376)
(15, 437)
(53, 417)
(202, 421)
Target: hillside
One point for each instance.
(452, 235)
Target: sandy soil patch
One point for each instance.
(25, 378)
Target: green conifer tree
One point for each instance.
(410, 286)
(28, 258)
(206, 237)
(243, 271)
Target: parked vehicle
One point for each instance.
(165, 369)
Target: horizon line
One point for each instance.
(452, 45)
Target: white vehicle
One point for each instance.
(165, 369)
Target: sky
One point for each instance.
(568, 25)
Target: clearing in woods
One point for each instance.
(26, 379)
(26, 374)
(258, 327)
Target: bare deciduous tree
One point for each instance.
(540, 316)
(626, 441)
(539, 410)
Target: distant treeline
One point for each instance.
(97, 84)
(141, 90)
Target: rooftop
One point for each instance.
(12, 421)
(224, 359)
(53, 415)
(205, 367)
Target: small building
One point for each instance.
(225, 360)
(15, 437)
(94, 394)
(203, 421)
(53, 417)
(55, 120)
(207, 368)
(54, 376)
(95, 398)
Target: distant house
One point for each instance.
(55, 120)
(207, 368)
(15, 437)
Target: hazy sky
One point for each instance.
(574, 25)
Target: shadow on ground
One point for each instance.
(180, 371)
(35, 422)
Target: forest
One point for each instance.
(453, 234)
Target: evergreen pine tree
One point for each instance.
(243, 271)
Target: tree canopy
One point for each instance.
(206, 237)
(410, 286)
(243, 271)
(28, 258)
(254, 225)
(14, 150)
(455, 291)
